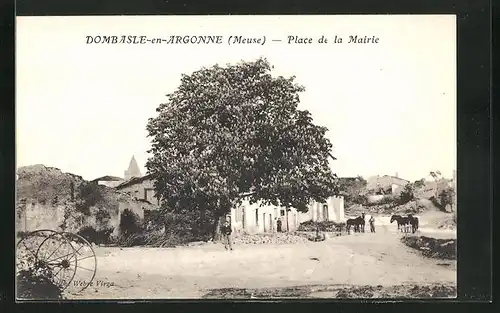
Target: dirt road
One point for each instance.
(190, 272)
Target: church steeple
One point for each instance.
(133, 170)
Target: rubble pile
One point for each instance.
(328, 226)
(411, 207)
(433, 247)
(448, 223)
(276, 238)
(400, 291)
(338, 291)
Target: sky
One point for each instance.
(390, 107)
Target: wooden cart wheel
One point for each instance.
(57, 254)
(86, 262)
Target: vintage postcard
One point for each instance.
(236, 157)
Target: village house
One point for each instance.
(138, 187)
(381, 186)
(254, 218)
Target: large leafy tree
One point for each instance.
(234, 132)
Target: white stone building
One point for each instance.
(253, 218)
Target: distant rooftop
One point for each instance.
(108, 178)
(133, 181)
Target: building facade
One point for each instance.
(254, 218)
(140, 188)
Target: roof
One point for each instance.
(108, 178)
(133, 181)
(397, 178)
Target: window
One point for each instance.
(282, 213)
(257, 217)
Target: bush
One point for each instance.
(446, 197)
(36, 284)
(360, 199)
(152, 239)
(92, 235)
(328, 226)
(129, 223)
(89, 195)
(407, 194)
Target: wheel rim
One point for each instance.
(27, 247)
(58, 254)
(86, 262)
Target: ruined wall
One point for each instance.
(50, 199)
(36, 216)
(61, 217)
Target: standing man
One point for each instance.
(278, 225)
(372, 224)
(226, 234)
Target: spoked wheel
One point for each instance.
(57, 254)
(85, 260)
(27, 247)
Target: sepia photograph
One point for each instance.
(236, 157)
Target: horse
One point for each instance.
(363, 222)
(357, 222)
(413, 222)
(402, 221)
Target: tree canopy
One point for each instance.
(235, 132)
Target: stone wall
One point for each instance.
(36, 216)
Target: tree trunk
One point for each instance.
(217, 233)
(223, 208)
(287, 224)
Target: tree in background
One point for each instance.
(407, 194)
(419, 183)
(353, 190)
(234, 132)
(436, 175)
(447, 198)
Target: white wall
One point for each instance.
(315, 213)
(251, 224)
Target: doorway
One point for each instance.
(325, 212)
(264, 221)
